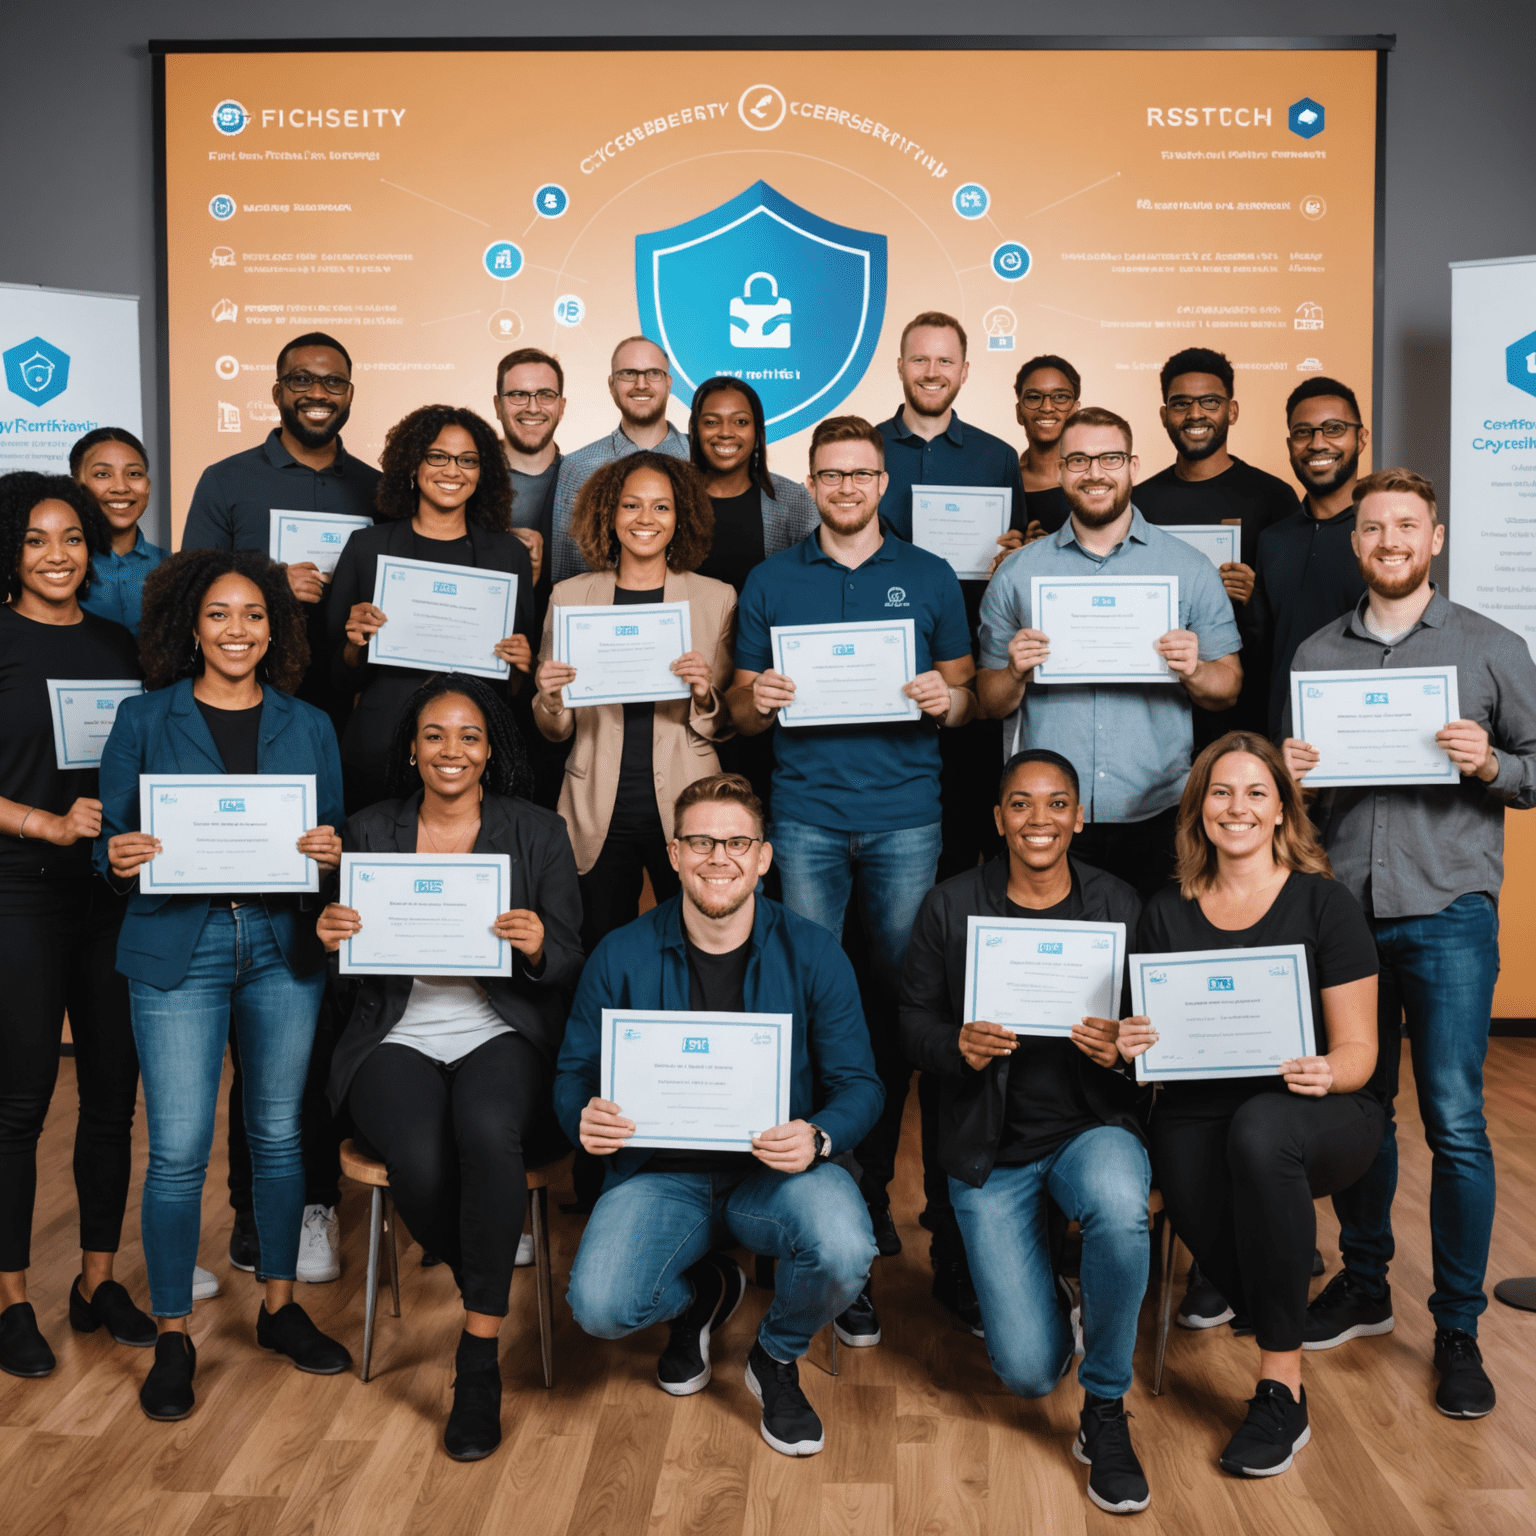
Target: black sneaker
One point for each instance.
(1317, 1262)
(1464, 1391)
(859, 1326)
(789, 1422)
(1345, 1310)
(244, 1246)
(1116, 1482)
(887, 1238)
(718, 1286)
(167, 1391)
(110, 1306)
(1275, 1429)
(953, 1287)
(1203, 1305)
(289, 1331)
(23, 1349)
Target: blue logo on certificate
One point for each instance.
(447, 588)
(626, 629)
(1053, 948)
(762, 1037)
(100, 703)
(231, 805)
(951, 506)
(1282, 968)
(1220, 984)
(1157, 976)
(330, 538)
(631, 1034)
(992, 940)
(1378, 698)
(428, 887)
(842, 650)
(696, 1044)
(1314, 692)
(1432, 690)
(1103, 602)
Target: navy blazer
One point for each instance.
(164, 732)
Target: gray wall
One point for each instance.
(76, 146)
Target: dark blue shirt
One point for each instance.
(959, 455)
(855, 778)
(117, 582)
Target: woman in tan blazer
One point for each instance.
(643, 524)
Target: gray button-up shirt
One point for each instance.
(1411, 850)
(1130, 742)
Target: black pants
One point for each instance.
(1138, 852)
(970, 764)
(1239, 1189)
(452, 1139)
(610, 890)
(58, 954)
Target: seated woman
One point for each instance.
(444, 1076)
(1240, 1160)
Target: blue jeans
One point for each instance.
(237, 977)
(646, 1231)
(894, 872)
(1101, 1179)
(1439, 971)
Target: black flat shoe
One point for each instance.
(23, 1350)
(290, 1332)
(167, 1391)
(474, 1423)
(112, 1308)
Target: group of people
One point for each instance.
(1180, 811)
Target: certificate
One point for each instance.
(1218, 542)
(962, 524)
(706, 1080)
(83, 710)
(1104, 629)
(1041, 978)
(227, 832)
(1223, 1012)
(442, 618)
(319, 537)
(1375, 726)
(847, 674)
(426, 916)
(623, 655)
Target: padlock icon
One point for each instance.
(760, 324)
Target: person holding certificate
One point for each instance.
(110, 462)
(445, 1076)
(58, 920)
(1240, 1159)
(648, 1254)
(442, 500)
(223, 643)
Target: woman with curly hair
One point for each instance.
(643, 524)
(223, 648)
(445, 498)
(445, 1076)
(58, 920)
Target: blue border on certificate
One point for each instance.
(1001, 925)
(855, 625)
(269, 887)
(1168, 965)
(1415, 674)
(1097, 677)
(128, 689)
(574, 611)
(494, 669)
(348, 519)
(366, 968)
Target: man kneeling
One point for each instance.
(1023, 1117)
(646, 1256)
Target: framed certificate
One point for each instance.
(426, 916)
(1218, 542)
(316, 536)
(706, 1080)
(847, 674)
(227, 832)
(1376, 726)
(1041, 978)
(442, 618)
(83, 710)
(962, 524)
(1104, 629)
(623, 654)
(1223, 1012)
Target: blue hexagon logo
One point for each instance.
(36, 370)
(1519, 363)
(1306, 117)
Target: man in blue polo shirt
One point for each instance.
(858, 800)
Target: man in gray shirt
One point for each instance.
(1426, 863)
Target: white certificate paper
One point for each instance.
(83, 710)
(1218, 542)
(227, 832)
(442, 618)
(1375, 726)
(1223, 1012)
(962, 524)
(1041, 978)
(847, 674)
(623, 655)
(711, 1081)
(316, 536)
(426, 916)
(1103, 629)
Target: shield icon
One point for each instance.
(768, 292)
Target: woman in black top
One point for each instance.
(1240, 1160)
(58, 919)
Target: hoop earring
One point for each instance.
(413, 760)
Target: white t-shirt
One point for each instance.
(447, 1017)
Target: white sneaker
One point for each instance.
(524, 1251)
(320, 1245)
(205, 1284)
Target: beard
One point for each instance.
(1342, 472)
(929, 407)
(1213, 444)
(1097, 517)
(725, 906)
(1390, 587)
(641, 415)
(849, 520)
(519, 441)
(314, 437)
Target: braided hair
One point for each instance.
(508, 772)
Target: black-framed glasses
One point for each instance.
(1331, 429)
(833, 479)
(1081, 463)
(1035, 398)
(1182, 403)
(634, 375)
(300, 382)
(704, 846)
(437, 458)
(518, 398)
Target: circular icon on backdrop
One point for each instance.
(1313, 208)
(227, 368)
(506, 325)
(972, 200)
(502, 259)
(230, 118)
(570, 309)
(551, 200)
(221, 207)
(999, 321)
(762, 107)
(1011, 261)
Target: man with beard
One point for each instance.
(650, 1253)
(641, 384)
(1132, 742)
(530, 402)
(1426, 863)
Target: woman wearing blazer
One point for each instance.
(222, 645)
(445, 1076)
(643, 525)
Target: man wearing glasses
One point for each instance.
(641, 384)
(530, 402)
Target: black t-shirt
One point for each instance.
(738, 545)
(1048, 508)
(234, 733)
(1311, 910)
(1255, 498)
(30, 653)
(635, 816)
(443, 551)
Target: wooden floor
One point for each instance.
(921, 1439)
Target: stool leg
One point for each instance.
(394, 1254)
(371, 1284)
(539, 1211)
(1165, 1306)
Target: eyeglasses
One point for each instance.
(301, 383)
(634, 375)
(1181, 403)
(704, 847)
(1081, 463)
(437, 459)
(1035, 398)
(521, 397)
(1301, 436)
(832, 479)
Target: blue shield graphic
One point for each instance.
(767, 292)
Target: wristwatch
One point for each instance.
(823, 1144)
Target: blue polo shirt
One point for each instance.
(117, 582)
(855, 778)
(959, 455)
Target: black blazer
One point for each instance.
(543, 880)
(972, 1104)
